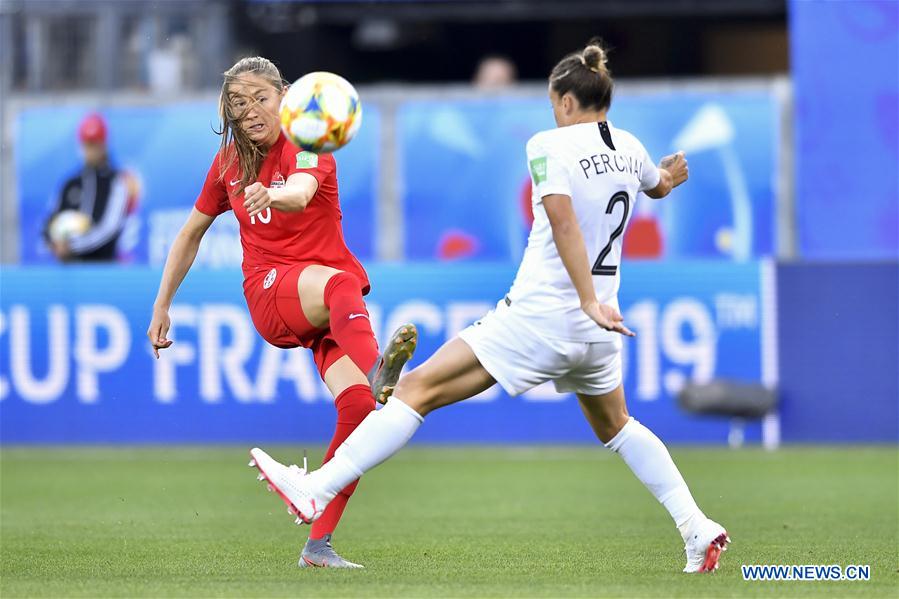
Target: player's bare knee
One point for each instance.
(407, 387)
(413, 389)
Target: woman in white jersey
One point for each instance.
(560, 321)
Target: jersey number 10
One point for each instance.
(610, 269)
(265, 217)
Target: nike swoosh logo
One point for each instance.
(352, 316)
(235, 182)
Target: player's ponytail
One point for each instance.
(585, 75)
(235, 144)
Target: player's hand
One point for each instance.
(256, 198)
(159, 328)
(676, 165)
(61, 249)
(607, 317)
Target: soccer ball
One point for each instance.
(68, 224)
(321, 112)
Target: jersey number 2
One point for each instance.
(610, 269)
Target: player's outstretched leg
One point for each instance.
(649, 460)
(386, 372)
(381, 434)
(450, 375)
(349, 321)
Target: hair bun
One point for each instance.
(595, 58)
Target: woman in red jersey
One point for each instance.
(302, 284)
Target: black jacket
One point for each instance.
(102, 194)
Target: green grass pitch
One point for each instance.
(439, 522)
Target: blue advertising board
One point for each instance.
(844, 60)
(465, 185)
(839, 351)
(168, 149)
(463, 170)
(75, 365)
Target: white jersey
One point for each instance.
(601, 168)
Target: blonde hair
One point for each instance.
(585, 75)
(245, 152)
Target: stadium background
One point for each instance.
(436, 179)
(777, 264)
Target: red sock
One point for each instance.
(350, 325)
(353, 405)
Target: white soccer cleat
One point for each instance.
(319, 553)
(704, 546)
(290, 482)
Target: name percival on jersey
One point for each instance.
(601, 168)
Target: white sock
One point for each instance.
(650, 461)
(383, 433)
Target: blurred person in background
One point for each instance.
(495, 72)
(104, 194)
(303, 286)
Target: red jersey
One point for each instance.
(274, 238)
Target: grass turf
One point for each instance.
(442, 522)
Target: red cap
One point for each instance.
(92, 129)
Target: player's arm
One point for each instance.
(181, 257)
(570, 244)
(296, 194)
(672, 172)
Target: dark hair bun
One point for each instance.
(594, 57)
(584, 74)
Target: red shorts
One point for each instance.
(274, 304)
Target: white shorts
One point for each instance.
(520, 358)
